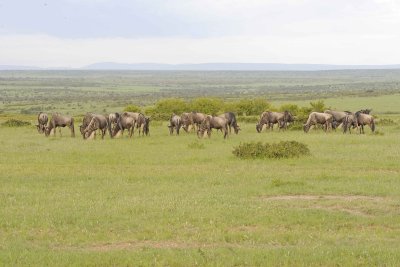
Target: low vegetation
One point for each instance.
(15, 123)
(164, 200)
(283, 149)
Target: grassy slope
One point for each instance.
(154, 201)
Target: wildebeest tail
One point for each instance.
(373, 125)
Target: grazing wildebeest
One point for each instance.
(350, 122)
(337, 117)
(269, 118)
(136, 116)
(187, 121)
(175, 123)
(142, 124)
(318, 118)
(232, 122)
(58, 120)
(113, 119)
(198, 118)
(85, 122)
(211, 122)
(365, 119)
(97, 122)
(43, 118)
(125, 122)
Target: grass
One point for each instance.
(160, 200)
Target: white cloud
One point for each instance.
(287, 31)
(47, 51)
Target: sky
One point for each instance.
(75, 33)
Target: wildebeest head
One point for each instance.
(47, 130)
(236, 129)
(306, 127)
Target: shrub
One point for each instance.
(254, 106)
(132, 108)
(283, 149)
(15, 123)
(318, 106)
(211, 106)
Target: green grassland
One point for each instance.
(166, 200)
(161, 200)
(74, 92)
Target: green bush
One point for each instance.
(15, 123)
(254, 106)
(132, 108)
(318, 106)
(211, 106)
(283, 149)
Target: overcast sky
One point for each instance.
(74, 33)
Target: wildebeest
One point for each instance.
(337, 117)
(187, 121)
(43, 118)
(142, 123)
(175, 123)
(232, 122)
(270, 118)
(350, 122)
(113, 119)
(318, 118)
(58, 120)
(211, 122)
(85, 122)
(198, 118)
(124, 122)
(365, 119)
(146, 127)
(98, 121)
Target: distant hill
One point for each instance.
(210, 67)
(232, 66)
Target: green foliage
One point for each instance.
(132, 108)
(292, 108)
(283, 149)
(248, 119)
(211, 106)
(15, 123)
(163, 109)
(252, 106)
(318, 106)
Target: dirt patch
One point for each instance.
(322, 197)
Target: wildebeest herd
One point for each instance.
(117, 123)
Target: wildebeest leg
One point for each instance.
(177, 129)
(225, 132)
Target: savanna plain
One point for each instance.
(164, 200)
